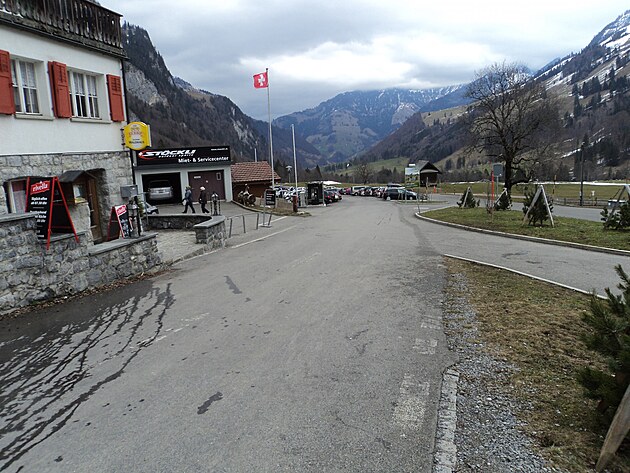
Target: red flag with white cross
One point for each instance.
(261, 81)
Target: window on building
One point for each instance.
(24, 86)
(16, 193)
(84, 93)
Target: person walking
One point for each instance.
(203, 200)
(188, 200)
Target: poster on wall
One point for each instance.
(45, 198)
(412, 176)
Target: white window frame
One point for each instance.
(86, 92)
(25, 76)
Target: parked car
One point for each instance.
(160, 190)
(150, 209)
(356, 190)
(329, 196)
(398, 193)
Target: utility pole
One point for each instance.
(582, 176)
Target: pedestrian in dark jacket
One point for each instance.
(203, 200)
(188, 200)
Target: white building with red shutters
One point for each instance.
(62, 106)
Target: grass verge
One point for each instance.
(537, 327)
(511, 221)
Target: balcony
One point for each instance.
(76, 21)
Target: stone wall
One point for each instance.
(176, 222)
(211, 232)
(31, 273)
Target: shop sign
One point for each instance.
(270, 198)
(137, 135)
(198, 156)
(118, 223)
(45, 198)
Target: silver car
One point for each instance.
(160, 190)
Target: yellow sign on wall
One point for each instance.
(137, 136)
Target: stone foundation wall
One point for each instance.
(31, 273)
(176, 222)
(211, 232)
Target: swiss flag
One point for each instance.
(261, 80)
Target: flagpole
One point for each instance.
(273, 181)
(294, 158)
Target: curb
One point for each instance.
(445, 454)
(580, 246)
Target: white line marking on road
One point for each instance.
(411, 405)
(431, 324)
(262, 238)
(425, 347)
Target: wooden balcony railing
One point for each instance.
(72, 20)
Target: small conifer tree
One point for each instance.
(468, 200)
(538, 213)
(617, 220)
(610, 336)
(504, 202)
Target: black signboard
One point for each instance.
(119, 223)
(270, 198)
(39, 201)
(198, 156)
(46, 199)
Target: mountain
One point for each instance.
(182, 115)
(593, 91)
(352, 122)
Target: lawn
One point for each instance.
(601, 192)
(511, 221)
(521, 321)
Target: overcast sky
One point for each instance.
(317, 49)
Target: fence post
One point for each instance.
(618, 430)
(231, 221)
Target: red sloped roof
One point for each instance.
(252, 172)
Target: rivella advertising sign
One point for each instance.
(193, 156)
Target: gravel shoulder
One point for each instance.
(487, 436)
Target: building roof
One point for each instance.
(252, 172)
(427, 167)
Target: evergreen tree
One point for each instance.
(538, 212)
(610, 336)
(468, 200)
(577, 107)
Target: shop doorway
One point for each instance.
(212, 180)
(95, 215)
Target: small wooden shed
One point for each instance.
(256, 176)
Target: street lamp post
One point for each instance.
(582, 176)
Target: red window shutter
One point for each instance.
(60, 89)
(114, 87)
(7, 105)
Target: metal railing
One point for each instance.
(262, 220)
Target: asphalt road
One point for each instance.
(312, 346)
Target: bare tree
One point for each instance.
(363, 173)
(512, 119)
